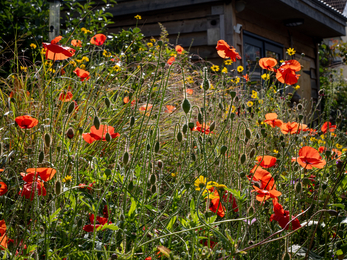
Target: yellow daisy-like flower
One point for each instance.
(200, 183)
(344, 150)
(265, 76)
(281, 61)
(312, 139)
(321, 142)
(261, 101)
(152, 40)
(51, 70)
(116, 68)
(224, 70)
(33, 46)
(239, 69)
(233, 108)
(24, 68)
(249, 103)
(215, 68)
(86, 59)
(138, 17)
(291, 51)
(73, 63)
(275, 151)
(150, 45)
(237, 80)
(190, 80)
(174, 174)
(228, 62)
(141, 49)
(43, 51)
(254, 94)
(338, 146)
(322, 137)
(220, 187)
(106, 54)
(297, 87)
(79, 61)
(82, 66)
(67, 178)
(333, 135)
(83, 29)
(173, 54)
(211, 86)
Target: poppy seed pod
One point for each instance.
(126, 158)
(71, 107)
(132, 121)
(108, 137)
(223, 150)
(160, 164)
(298, 187)
(186, 106)
(96, 122)
(179, 136)
(107, 102)
(58, 187)
(185, 128)
(48, 140)
(41, 157)
(70, 133)
(153, 179)
(156, 147)
(212, 126)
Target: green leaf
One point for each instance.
(53, 217)
(339, 252)
(132, 207)
(107, 226)
(171, 223)
(192, 207)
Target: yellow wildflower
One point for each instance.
(249, 103)
(261, 101)
(86, 59)
(240, 69)
(322, 136)
(228, 62)
(215, 68)
(23, 68)
(43, 51)
(73, 63)
(233, 108)
(339, 146)
(281, 61)
(152, 40)
(106, 54)
(149, 44)
(78, 61)
(190, 80)
(67, 178)
(275, 151)
(82, 66)
(138, 17)
(312, 139)
(51, 70)
(344, 150)
(291, 51)
(33, 46)
(200, 183)
(116, 68)
(237, 80)
(173, 55)
(297, 87)
(254, 94)
(224, 70)
(265, 76)
(174, 174)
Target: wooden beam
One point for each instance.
(139, 7)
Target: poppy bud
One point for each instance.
(58, 187)
(153, 189)
(252, 153)
(248, 133)
(306, 181)
(212, 126)
(148, 147)
(221, 107)
(71, 107)
(131, 186)
(191, 125)
(206, 83)
(185, 128)
(328, 153)
(263, 132)
(193, 157)
(108, 137)
(243, 158)
(156, 147)
(125, 158)
(200, 118)
(283, 144)
(132, 121)
(107, 102)
(70, 133)
(286, 256)
(243, 174)
(80, 130)
(301, 117)
(298, 187)
(223, 150)
(48, 140)
(160, 164)
(186, 106)
(96, 122)
(108, 172)
(153, 179)
(41, 157)
(115, 96)
(179, 136)
(324, 185)
(160, 43)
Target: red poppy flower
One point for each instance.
(82, 74)
(282, 217)
(309, 158)
(171, 60)
(30, 188)
(225, 51)
(148, 258)
(26, 122)
(271, 119)
(216, 205)
(290, 128)
(311, 131)
(231, 200)
(326, 126)
(57, 52)
(3, 236)
(321, 149)
(100, 220)
(286, 72)
(126, 101)
(82, 186)
(3, 188)
(336, 154)
(189, 91)
(246, 77)
(170, 109)
(76, 43)
(262, 178)
(145, 107)
(268, 63)
(62, 72)
(45, 174)
(266, 161)
(203, 128)
(65, 97)
(56, 39)
(264, 195)
(98, 39)
(99, 134)
(179, 49)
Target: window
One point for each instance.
(258, 47)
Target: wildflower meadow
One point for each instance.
(142, 150)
